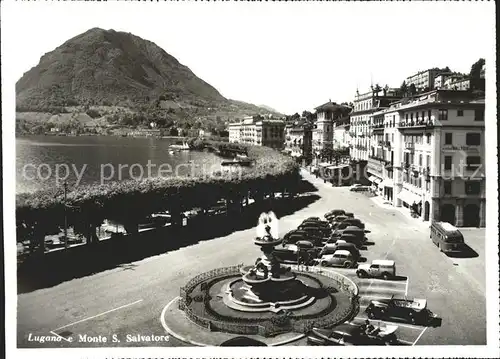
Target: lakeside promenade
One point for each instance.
(129, 298)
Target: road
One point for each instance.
(129, 299)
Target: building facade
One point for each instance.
(322, 134)
(365, 105)
(298, 140)
(428, 155)
(424, 80)
(258, 131)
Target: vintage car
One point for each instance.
(334, 213)
(303, 251)
(358, 232)
(312, 219)
(412, 310)
(378, 268)
(325, 231)
(354, 334)
(349, 214)
(349, 238)
(330, 248)
(356, 222)
(359, 188)
(341, 258)
(350, 222)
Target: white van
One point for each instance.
(378, 268)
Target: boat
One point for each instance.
(179, 147)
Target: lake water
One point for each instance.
(46, 161)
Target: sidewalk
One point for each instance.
(383, 203)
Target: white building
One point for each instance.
(429, 152)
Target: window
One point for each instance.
(473, 139)
(429, 114)
(447, 187)
(428, 160)
(479, 115)
(423, 115)
(473, 162)
(460, 113)
(392, 137)
(447, 162)
(406, 116)
(473, 187)
(443, 115)
(428, 137)
(448, 138)
(420, 160)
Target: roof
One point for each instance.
(383, 262)
(342, 252)
(330, 106)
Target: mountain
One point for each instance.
(110, 68)
(270, 109)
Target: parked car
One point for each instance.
(412, 310)
(336, 219)
(353, 334)
(326, 231)
(312, 219)
(349, 238)
(356, 222)
(359, 188)
(349, 214)
(334, 212)
(378, 268)
(358, 232)
(341, 258)
(331, 248)
(289, 253)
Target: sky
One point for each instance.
(291, 57)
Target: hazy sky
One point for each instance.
(288, 56)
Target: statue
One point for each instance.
(267, 227)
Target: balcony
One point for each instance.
(416, 123)
(410, 146)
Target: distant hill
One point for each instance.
(106, 69)
(270, 109)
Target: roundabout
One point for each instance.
(269, 302)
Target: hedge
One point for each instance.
(42, 212)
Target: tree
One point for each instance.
(476, 82)
(412, 90)
(403, 89)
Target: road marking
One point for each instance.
(391, 323)
(60, 336)
(422, 333)
(98, 315)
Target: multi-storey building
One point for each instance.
(424, 80)
(360, 122)
(258, 131)
(298, 140)
(322, 134)
(429, 155)
(341, 137)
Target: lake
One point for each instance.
(47, 161)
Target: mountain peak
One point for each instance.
(109, 67)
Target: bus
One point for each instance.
(447, 237)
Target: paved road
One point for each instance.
(128, 300)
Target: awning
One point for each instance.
(374, 179)
(408, 197)
(324, 164)
(387, 182)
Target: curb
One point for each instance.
(185, 340)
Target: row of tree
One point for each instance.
(86, 207)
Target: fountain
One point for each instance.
(264, 300)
